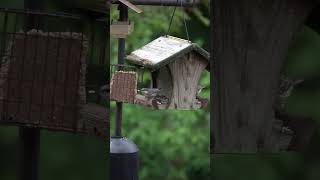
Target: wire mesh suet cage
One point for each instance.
(51, 71)
(126, 82)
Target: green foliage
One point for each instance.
(174, 145)
(303, 63)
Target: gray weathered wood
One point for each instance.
(186, 74)
(163, 51)
(121, 29)
(250, 41)
(179, 81)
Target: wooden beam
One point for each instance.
(250, 42)
(184, 3)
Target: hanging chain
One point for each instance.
(171, 19)
(184, 20)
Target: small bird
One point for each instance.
(285, 89)
(150, 92)
(280, 127)
(200, 88)
(104, 91)
(287, 85)
(161, 99)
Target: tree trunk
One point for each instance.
(250, 42)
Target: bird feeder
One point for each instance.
(48, 75)
(176, 66)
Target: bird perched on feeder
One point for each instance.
(161, 99)
(104, 92)
(286, 86)
(200, 88)
(150, 92)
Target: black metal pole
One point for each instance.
(29, 147)
(124, 154)
(29, 138)
(121, 57)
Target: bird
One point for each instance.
(150, 92)
(200, 88)
(279, 126)
(287, 85)
(285, 89)
(104, 92)
(161, 99)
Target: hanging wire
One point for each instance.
(184, 20)
(171, 19)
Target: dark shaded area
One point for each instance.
(302, 107)
(313, 20)
(62, 155)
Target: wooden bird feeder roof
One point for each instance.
(164, 50)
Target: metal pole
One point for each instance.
(29, 138)
(29, 147)
(121, 56)
(124, 154)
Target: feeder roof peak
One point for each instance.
(164, 50)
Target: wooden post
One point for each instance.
(250, 42)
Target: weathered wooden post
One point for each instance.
(250, 42)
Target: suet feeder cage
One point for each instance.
(50, 75)
(125, 82)
(176, 66)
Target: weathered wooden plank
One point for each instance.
(121, 29)
(159, 50)
(186, 74)
(250, 41)
(163, 51)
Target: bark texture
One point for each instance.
(250, 42)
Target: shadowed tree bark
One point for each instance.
(250, 42)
